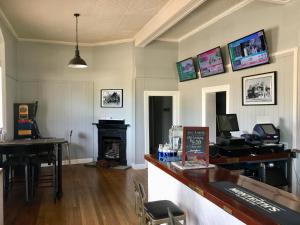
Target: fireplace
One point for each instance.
(111, 148)
(112, 140)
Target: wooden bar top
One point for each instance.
(199, 180)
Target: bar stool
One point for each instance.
(46, 157)
(173, 220)
(11, 163)
(155, 212)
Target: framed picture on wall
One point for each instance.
(111, 98)
(259, 89)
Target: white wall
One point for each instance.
(155, 71)
(70, 99)
(63, 106)
(9, 72)
(282, 27)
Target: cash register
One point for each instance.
(265, 138)
(226, 144)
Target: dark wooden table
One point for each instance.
(200, 181)
(24, 146)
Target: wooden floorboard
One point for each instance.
(92, 196)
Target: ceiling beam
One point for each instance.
(217, 18)
(8, 24)
(169, 15)
(282, 2)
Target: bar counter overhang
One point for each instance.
(206, 205)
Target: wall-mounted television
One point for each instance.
(249, 51)
(211, 62)
(186, 70)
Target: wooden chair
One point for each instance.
(155, 212)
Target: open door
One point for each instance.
(160, 121)
(161, 111)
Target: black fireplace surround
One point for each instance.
(112, 130)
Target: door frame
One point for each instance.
(175, 111)
(213, 89)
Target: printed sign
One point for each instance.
(195, 144)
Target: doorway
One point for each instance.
(161, 111)
(220, 106)
(160, 121)
(215, 100)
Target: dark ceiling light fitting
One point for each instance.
(77, 61)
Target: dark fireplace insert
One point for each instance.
(112, 141)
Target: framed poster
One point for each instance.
(259, 89)
(195, 144)
(111, 98)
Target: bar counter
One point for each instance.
(213, 206)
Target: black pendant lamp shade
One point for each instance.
(77, 61)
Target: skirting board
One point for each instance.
(78, 161)
(87, 160)
(73, 161)
(138, 166)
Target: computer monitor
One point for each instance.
(269, 128)
(227, 123)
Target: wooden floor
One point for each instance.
(92, 196)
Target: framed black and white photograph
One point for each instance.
(259, 89)
(111, 98)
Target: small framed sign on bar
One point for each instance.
(195, 144)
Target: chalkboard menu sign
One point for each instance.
(195, 144)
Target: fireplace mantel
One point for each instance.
(110, 129)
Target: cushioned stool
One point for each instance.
(155, 212)
(173, 221)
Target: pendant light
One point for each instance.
(77, 61)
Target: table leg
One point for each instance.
(59, 171)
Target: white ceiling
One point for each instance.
(100, 20)
(103, 21)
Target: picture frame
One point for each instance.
(187, 70)
(195, 144)
(111, 98)
(259, 89)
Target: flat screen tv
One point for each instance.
(249, 51)
(211, 62)
(186, 70)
